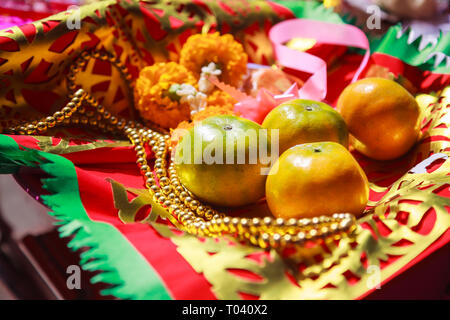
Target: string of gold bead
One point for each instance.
(164, 185)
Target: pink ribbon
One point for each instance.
(315, 88)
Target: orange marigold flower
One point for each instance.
(220, 98)
(213, 111)
(228, 54)
(151, 94)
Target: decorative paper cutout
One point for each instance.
(46, 144)
(129, 209)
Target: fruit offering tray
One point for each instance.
(108, 101)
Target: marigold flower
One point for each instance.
(152, 94)
(220, 98)
(229, 55)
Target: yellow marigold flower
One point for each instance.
(220, 98)
(213, 111)
(228, 54)
(151, 94)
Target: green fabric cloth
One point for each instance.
(120, 265)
